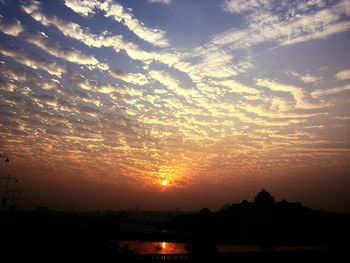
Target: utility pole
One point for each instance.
(13, 201)
(8, 178)
(4, 200)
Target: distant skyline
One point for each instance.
(175, 103)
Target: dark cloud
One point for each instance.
(118, 73)
(53, 48)
(11, 27)
(31, 60)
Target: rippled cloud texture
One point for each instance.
(114, 98)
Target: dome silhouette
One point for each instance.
(264, 198)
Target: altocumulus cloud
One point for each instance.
(12, 28)
(106, 83)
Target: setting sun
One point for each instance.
(167, 174)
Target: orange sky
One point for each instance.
(113, 104)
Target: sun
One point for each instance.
(165, 176)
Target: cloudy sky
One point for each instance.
(175, 103)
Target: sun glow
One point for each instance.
(166, 175)
(164, 182)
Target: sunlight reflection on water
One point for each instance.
(146, 247)
(155, 247)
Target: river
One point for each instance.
(147, 247)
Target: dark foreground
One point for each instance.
(49, 236)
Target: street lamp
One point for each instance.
(7, 160)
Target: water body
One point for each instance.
(155, 247)
(146, 247)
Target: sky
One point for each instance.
(175, 104)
